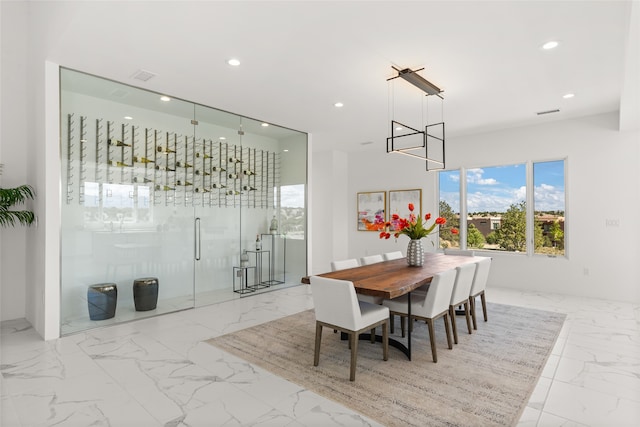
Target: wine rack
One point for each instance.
(180, 170)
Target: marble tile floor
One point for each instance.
(158, 372)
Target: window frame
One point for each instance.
(529, 201)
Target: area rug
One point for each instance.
(486, 380)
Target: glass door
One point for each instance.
(126, 234)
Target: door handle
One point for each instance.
(197, 242)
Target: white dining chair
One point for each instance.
(478, 287)
(368, 260)
(460, 295)
(337, 307)
(344, 264)
(428, 307)
(352, 263)
(392, 255)
(458, 252)
(371, 259)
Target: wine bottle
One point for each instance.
(199, 172)
(144, 180)
(118, 164)
(116, 143)
(218, 169)
(248, 172)
(214, 185)
(233, 175)
(165, 150)
(185, 183)
(232, 193)
(142, 160)
(244, 259)
(204, 156)
(164, 168)
(234, 160)
(273, 228)
(258, 243)
(200, 190)
(164, 188)
(183, 165)
(248, 188)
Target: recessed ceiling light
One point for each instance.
(285, 150)
(128, 118)
(165, 98)
(568, 95)
(264, 125)
(338, 104)
(550, 45)
(222, 138)
(233, 62)
(399, 128)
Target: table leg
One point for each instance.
(410, 327)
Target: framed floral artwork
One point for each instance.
(399, 203)
(371, 206)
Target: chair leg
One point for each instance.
(432, 340)
(447, 330)
(484, 305)
(472, 306)
(354, 355)
(392, 323)
(385, 341)
(452, 313)
(467, 315)
(373, 335)
(316, 354)
(402, 324)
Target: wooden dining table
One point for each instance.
(391, 279)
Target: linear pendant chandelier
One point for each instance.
(427, 144)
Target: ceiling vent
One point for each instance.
(540, 113)
(143, 75)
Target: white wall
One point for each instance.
(13, 153)
(330, 225)
(602, 183)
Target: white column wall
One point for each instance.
(13, 153)
(330, 225)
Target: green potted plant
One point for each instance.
(14, 196)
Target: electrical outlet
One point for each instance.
(585, 271)
(612, 222)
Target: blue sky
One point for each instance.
(497, 188)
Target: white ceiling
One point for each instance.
(299, 58)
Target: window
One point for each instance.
(549, 204)
(292, 218)
(496, 200)
(450, 207)
(116, 205)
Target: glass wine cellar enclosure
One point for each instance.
(169, 205)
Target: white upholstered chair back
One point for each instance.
(392, 255)
(439, 294)
(336, 303)
(344, 264)
(371, 259)
(481, 276)
(464, 280)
